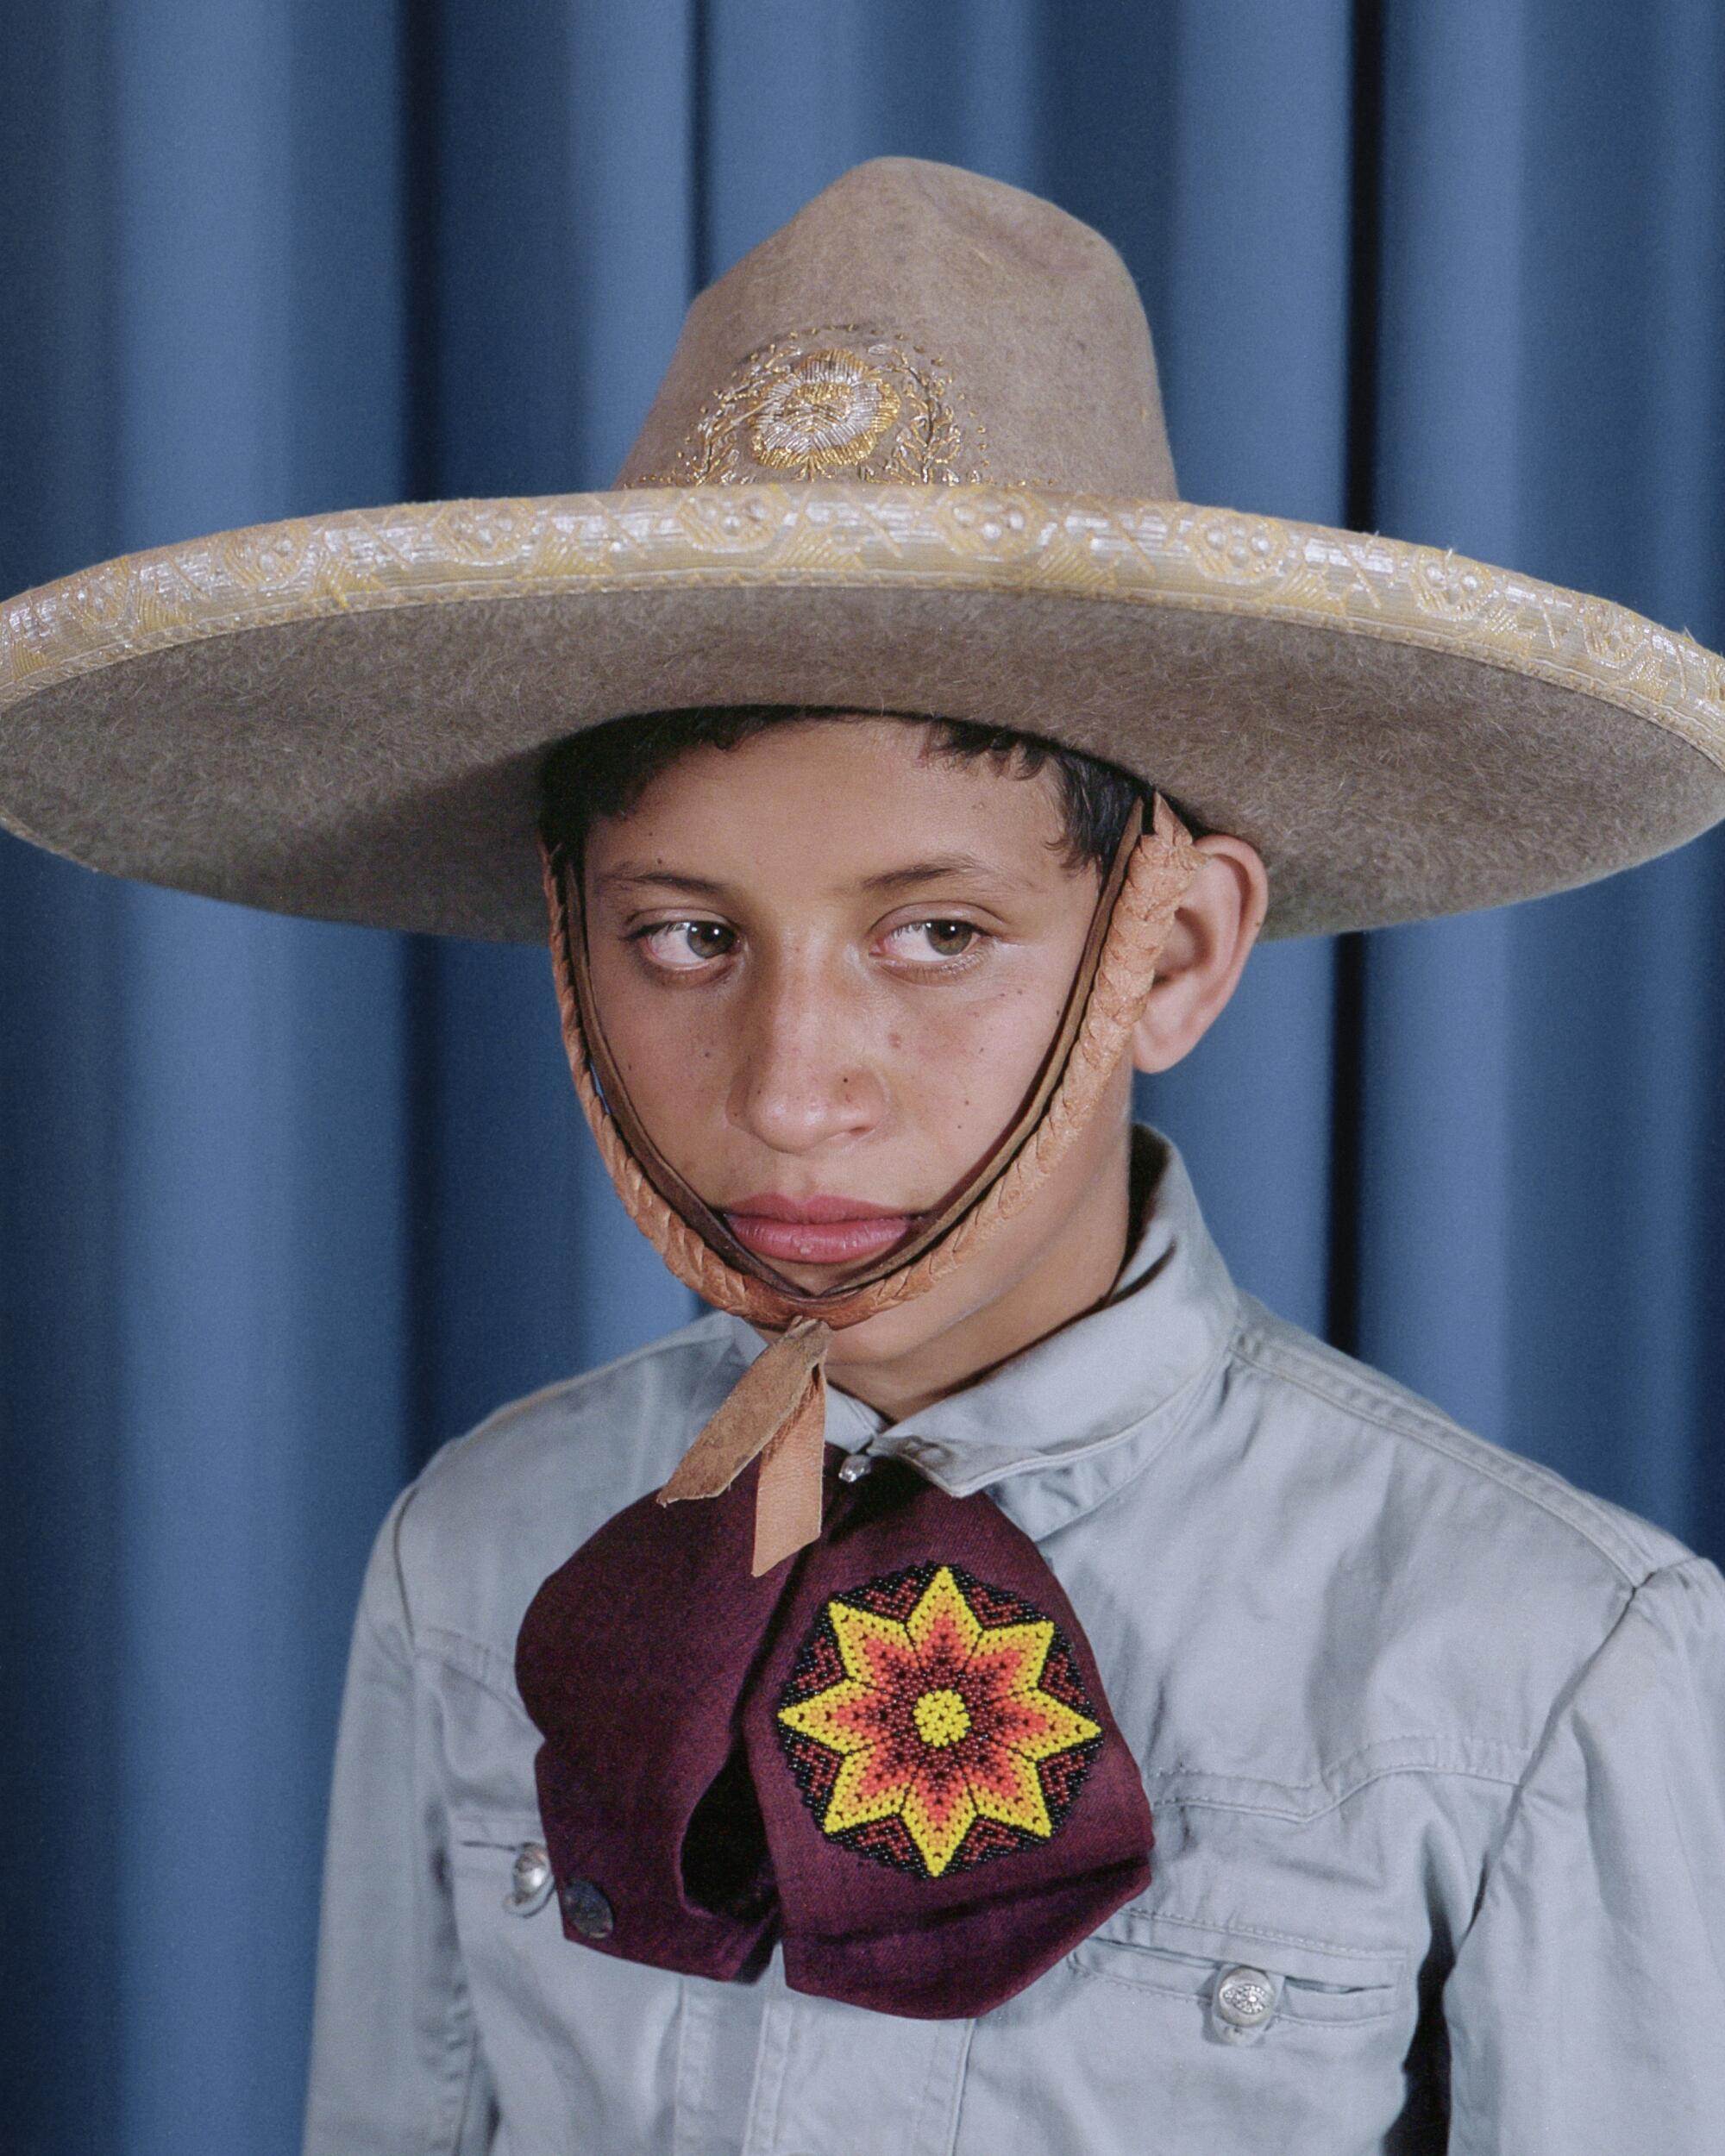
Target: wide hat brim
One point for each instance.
(344, 716)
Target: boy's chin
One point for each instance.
(906, 1330)
(820, 1279)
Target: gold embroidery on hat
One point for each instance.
(821, 413)
(819, 402)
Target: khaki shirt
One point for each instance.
(1435, 1743)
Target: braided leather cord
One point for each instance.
(682, 1249)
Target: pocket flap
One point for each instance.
(1317, 1980)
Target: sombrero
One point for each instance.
(909, 457)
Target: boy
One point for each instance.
(629, 1847)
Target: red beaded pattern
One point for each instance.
(934, 1721)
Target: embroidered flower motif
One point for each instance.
(934, 1721)
(821, 413)
(846, 399)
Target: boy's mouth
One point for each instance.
(817, 1231)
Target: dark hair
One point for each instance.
(602, 773)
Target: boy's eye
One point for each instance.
(922, 941)
(680, 946)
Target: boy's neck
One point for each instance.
(1072, 1271)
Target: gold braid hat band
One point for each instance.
(777, 1410)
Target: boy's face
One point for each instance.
(829, 966)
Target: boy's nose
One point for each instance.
(805, 1074)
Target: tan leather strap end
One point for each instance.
(763, 1400)
(788, 1496)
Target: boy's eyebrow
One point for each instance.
(931, 871)
(627, 876)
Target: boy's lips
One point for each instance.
(816, 1231)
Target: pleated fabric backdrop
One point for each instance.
(284, 1206)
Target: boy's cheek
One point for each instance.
(944, 1086)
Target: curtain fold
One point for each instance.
(284, 1206)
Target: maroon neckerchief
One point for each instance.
(894, 1753)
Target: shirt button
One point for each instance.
(529, 1881)
(854, 1468)
(1244, 1999)
(586, 1907)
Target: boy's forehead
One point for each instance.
(838, 763)
(852, 797)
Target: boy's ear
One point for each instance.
(1213, 935)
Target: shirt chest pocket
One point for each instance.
(1239, 1986)
(1165, 2031)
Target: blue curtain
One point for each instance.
(285, 1205)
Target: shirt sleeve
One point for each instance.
(1587, 2001)
(396, 2068)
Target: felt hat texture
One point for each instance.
(909, 457)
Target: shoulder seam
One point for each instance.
(446, 1460)
(379, 1640)
(667, 1343)
(1428, 1428)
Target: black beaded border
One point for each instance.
(815, 1766)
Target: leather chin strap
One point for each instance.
(777, 1409)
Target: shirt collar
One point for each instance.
(1057, 1429)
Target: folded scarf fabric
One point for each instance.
(893, 1753)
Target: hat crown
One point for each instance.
(916, 322)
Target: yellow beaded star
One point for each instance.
(939, 1721)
